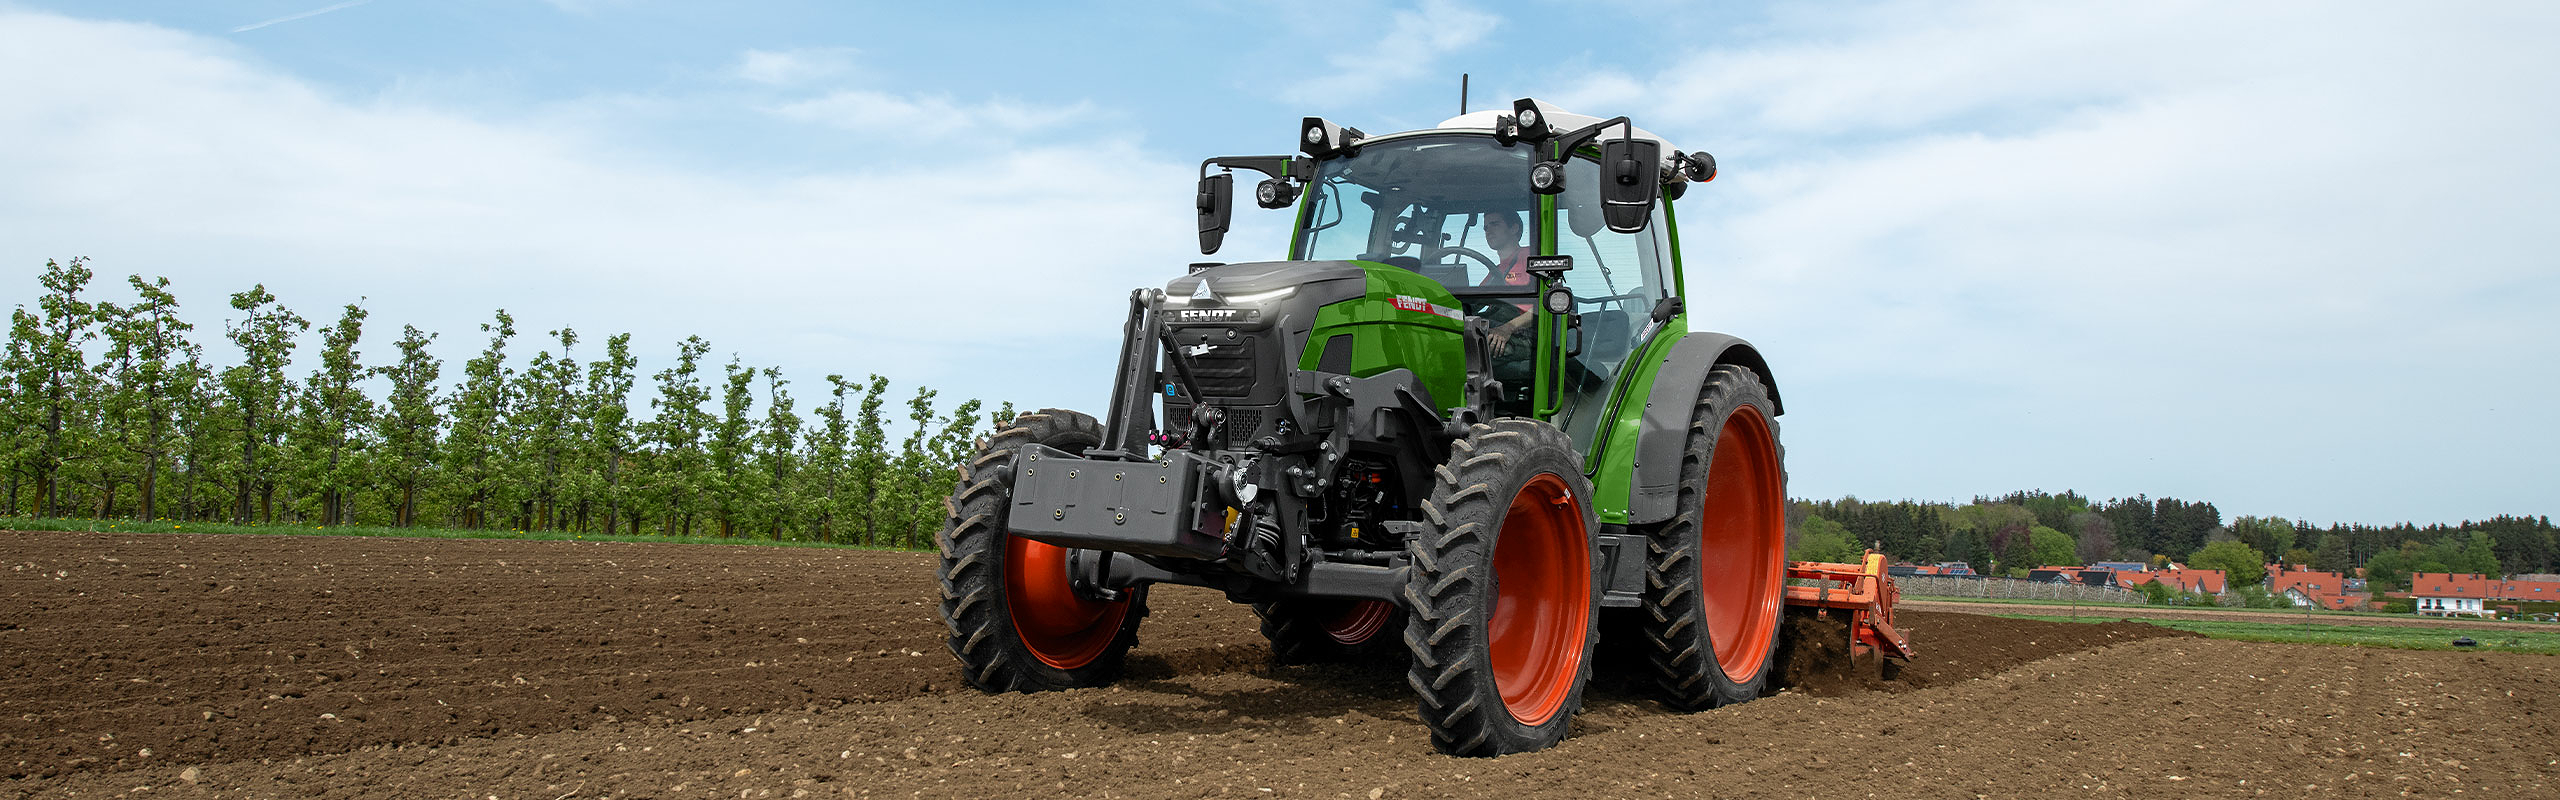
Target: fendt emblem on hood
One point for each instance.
(1202, 294)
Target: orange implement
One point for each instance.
(1863, 590)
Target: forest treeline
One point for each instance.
(2015, 532)
(112, 411)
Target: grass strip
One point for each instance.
(2399, 637)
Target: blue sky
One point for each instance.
(2291, 258)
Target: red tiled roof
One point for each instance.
(2208, 581)
(2310, 581)
(2471, 585)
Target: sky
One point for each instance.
(2293, 259)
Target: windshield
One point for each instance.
(1425, 204)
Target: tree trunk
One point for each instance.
(149, 488)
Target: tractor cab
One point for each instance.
(1461, 204)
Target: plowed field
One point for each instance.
(251, 666)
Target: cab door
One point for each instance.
(1617, 279)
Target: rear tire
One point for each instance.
(1503, 594)
(1325, 630)
(1016, 624)
(1716, 572)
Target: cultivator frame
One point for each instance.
(1863, 590)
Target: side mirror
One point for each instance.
(1216, 201)
(1630, 178)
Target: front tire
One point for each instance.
(1716, 572)
(1503, 592)
(1017, 624)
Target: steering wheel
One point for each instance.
(1486, 260)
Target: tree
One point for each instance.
(256, 391)
(871, 459)
(2097, 538)
(149, 349)
(56, 386)
(608, 417)
(204, 446)
(335, 414)
(1820, 539)
(2053, 547)
(908, 467)
(2267, 534)
(2331, 555)
(779, 464)
(2479, 555)
(545, 427)
(474, 457)
(679, 479)
(2240, 563)
(730, 442)
(826, 461)
(410, 422)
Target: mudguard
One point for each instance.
(1667, 410)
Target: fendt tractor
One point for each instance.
(1466, 415)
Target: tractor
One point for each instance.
(1466, 415)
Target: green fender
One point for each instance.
(1661, 428)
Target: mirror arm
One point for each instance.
(1294, 168)
(1564, 144)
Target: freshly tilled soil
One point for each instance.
(251, 666)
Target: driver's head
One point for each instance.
(1502, 228)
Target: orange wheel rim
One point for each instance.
(1542, 600)
(1061, 628)
(1741, 544)
(1358, 621)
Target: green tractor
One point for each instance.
(1468, 414)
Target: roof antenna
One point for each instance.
(1462, 94)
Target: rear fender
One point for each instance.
(1668, 406)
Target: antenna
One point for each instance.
(1462, 94)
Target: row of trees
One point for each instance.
(111, 410)
(2022, 530)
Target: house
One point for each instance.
(2121, 566)
(2307, 587)
(2200, 581)
(2443, 594)
(2440, 594)
(2527, 587)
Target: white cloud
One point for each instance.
(794, 66)
(2281, 258)
(908, 115)
(1415, 41)
(998, 272)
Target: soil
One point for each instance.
(248, 666)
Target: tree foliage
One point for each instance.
(110, 411)
(2241, 564)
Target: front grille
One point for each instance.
(1226, 371)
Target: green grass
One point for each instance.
(2020, 601)
(2401, 637)
(130, 526)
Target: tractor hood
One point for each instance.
(1336, 280)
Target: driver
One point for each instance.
(1511, 268)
